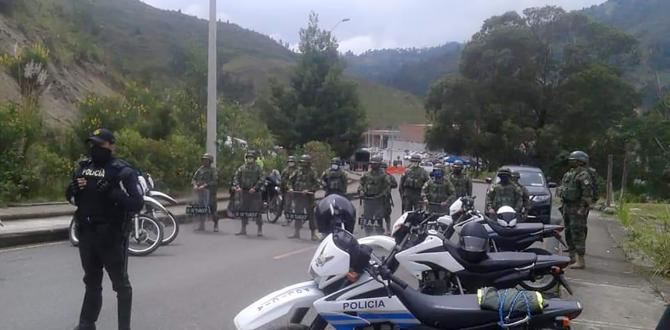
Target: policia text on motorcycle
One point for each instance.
(106, 192)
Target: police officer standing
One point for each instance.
(106, 192)
(411, 184)
(305, 180)
(504, 193)
(576, 192)
(249, 177)
(461, 181)
(393, 184)
(335, 178)
(525, 195)
(438, 190)
(204, 178)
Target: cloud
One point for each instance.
(360, 44)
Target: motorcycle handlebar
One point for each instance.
(387, 275)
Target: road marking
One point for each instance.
(292, 253)
(26, 247)
(607, 325)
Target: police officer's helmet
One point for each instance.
(473, 242)
(458, 164)
(579, 156)
(305, 159)
(335, 211)
(335, 160)
(208, 156)
(504, 172)
(375, 160)
(506, 216)
(415, 159)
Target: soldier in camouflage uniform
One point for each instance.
(335, 178)
(525, 195)
(461, 181)
(205, 178)
(438, 190)
(393, 184)
(305, 180)
(576, 192)
(249, 177)
(375, 183)
(411, 184)
(504, 193)
(291, 167)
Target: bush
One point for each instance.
(649, 228)
(321, 153)
(47, 173)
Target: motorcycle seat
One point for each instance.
(521, 229)
(445, 312)
(494, 261)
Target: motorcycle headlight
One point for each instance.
(541, 198)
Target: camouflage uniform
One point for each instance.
(247, 177)
(411, 184)
(438, 191)
(335, 181)
(462, 184)
(504, 194)
(576, 192)
(525, 195)
(206, 175)
(393, 184)
(305, 179)
(375, 184)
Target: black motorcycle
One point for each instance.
(272, 197)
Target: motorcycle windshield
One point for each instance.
(329, 260)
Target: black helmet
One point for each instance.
(504, 171)
(579, 156)
(305, 159)
(474, 242)
(334, 210)
(376, 160)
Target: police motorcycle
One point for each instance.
(155, 202)
(146, 233)
(351, 288)
(505, 231)
(272, 197)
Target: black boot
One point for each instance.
(243, 230)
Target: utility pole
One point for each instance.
(210, 144)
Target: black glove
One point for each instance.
(116, 194)
(104, 186)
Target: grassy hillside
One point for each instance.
(112, 42)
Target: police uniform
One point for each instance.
(104, 206)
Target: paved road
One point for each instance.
(203, 279)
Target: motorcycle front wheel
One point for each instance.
(274, 209)
(146, 238)
(169, 223)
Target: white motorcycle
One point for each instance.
(352, 289)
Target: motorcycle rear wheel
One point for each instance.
(149, 238)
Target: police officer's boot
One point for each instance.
(216, 225)
(315, 235)
(259, 223)
(296, 232)
(201, 224)
(243, 230)
(572, 258)
(580, 263)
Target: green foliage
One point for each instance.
(649, 228)
(319, 105)
(533, 87)
(321, 154)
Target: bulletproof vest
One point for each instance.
(437, 191)
(460, 183)
(304, 179)
(204, 174)
(249, 176)
(335, 180)
(375, 183)
(414, 178)
(505, 195)
(570, 191)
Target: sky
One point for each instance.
(373, 24)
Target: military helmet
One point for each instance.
(291, 159)
(415, 158)
(208, 156)
(376, 160)
(335, 160)
(579, 156)
(516, 175)
(504, 171)
(305, 159)
(458, 164)
(384, 165)
(251, 154)
(439, 166)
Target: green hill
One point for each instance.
(97, 46)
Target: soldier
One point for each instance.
(393, 184)
(461, 181)
(525, 195)
(411, 184)
(504, 193)
(285, 177)
(375, 183)
(249, 177)
(305, 180)
(335, 178)
(576, 192)
(438, 190)
(204, 178)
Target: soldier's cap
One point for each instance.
(504, 171)
(101, 135)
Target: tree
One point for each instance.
(534, 85)
(318, 104)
